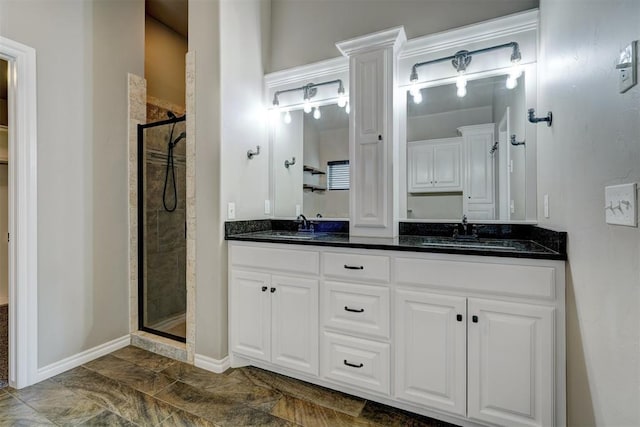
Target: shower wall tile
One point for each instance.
(170, 232)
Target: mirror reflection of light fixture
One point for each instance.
(308, 92)
(347, 108)
(460, 60)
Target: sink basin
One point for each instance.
(291, 235)
(468, 245)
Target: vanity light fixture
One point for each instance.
(460, 60)
(308, 92)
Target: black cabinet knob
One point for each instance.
(474, 319)
(273, 290)
(459, 317)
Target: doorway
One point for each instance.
(4, 226)
(22, 217)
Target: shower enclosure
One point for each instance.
(162, 250)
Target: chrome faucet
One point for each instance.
(304, 224)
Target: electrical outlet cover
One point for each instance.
(621, 205)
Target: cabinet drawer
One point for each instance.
(355, 308)
(373, 268)
(274, 258)
(502, 279)
(356, 362)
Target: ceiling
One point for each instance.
(172, 13)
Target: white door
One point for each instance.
(431, 350)
(420, 160)
(511, 369)
(251, 314)
(446, 166)
(294, 333)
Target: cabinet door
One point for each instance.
(250, 314)
(420, 161)
(431, 350)
(369, 150)
(294, 335)
(479, 165)
(446, 166)
(511, 369)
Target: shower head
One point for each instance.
(181, 136)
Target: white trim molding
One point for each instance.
(210, 364)
(82, 358)
(23, 213)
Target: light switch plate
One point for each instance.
(267, 207)
(627, 66)
(231, 210)
(546, 205)
(621, 203)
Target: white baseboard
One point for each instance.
(211, 364)
(81, 358)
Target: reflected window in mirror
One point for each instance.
(460, 159)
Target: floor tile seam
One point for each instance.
(119, 411)
(122, 383)
(33, 409)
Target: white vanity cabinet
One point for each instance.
(467, 339)
(479, 182)
(274, 317)
(434, 165)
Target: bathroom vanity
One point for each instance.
(467, 333)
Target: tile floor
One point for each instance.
(132, 386)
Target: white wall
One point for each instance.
(305, 31)
(288, 181)
(594, 142)
(446, 124)
(84, 52)
(164, 62)
(244, 121)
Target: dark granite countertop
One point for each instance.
(501, 240)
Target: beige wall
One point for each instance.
(82, 164)
(164, 62)
(211, 289)
(304, 31)
(593, 143)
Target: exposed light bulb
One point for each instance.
(417, 97)
(461, 81)
(515, 72)
(462, 91)
(316, 113)
(511, 82)
(287, 117)
(307, 106)
(414, 90)
(347, 108)
(342, 100)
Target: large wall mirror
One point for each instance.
(468, 155)
(316, 183)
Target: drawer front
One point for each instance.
(275, 258)
(501, 279)
(370, 268)
(356, 362)
(355, 308)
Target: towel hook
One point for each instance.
(534, 119)
(250, 153)
(514, 142)
(288, 163)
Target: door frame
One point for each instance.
(23, 218)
